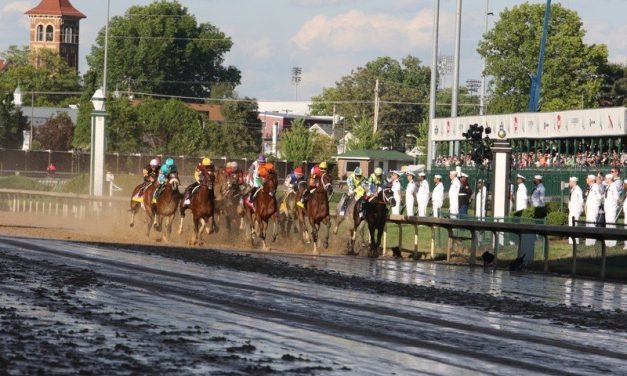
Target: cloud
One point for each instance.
(358, 31)
(16, 6)
(611, 35)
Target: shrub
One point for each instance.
(552, 207)
(557, 218)
(22, 182)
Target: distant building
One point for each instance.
(288, 108)
(368, 160)
(40, 115)
(54, 25)
(284, 122)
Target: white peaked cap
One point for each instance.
(438, 176)
(538, 177)
(573, 178)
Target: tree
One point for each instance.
(161, 48)
(124, 134)
(296, 143)
(405, 81)
(614, 89)
(170, 127)
(56, 133)
(324, 147)
(571, 67)
(12, 123)
(363, 138)
(51, 75)
(468, 104)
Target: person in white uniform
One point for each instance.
(612, 197)
(396, 190)
(410, 194)
(575, 204)
(423, 194)
(453, 194)
(537, 196)
(481, 197)
(437, 197)
(521, 193)
(594, 200)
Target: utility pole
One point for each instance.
(483, 77)
(106, 52)
(376, 107)
(434, 82)
(458, 34)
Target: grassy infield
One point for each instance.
(588, 259)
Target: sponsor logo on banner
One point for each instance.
(558, 125)
(516, 124)
(448, 127)
(609, 117)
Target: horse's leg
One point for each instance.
(338, 221)
(314, 234)
(134, 207)
(263, 227)
(327, 223)
(203, 226)
(194, 239)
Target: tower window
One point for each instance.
(67, 35)
(40, 33)
(49, 33)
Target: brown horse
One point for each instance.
(166, 206)
(228, 197)
(202, 205)
(146, 197)
(266, 208)
(317, 211)
(289, 211)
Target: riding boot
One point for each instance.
(303, 199)
(362, 209)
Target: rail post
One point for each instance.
(574, 261)
(473, 247)
(432, 243)
(496, 248)
(546, 253)
(415, 242)
(449, 245)
(400, 236)
(603, 255)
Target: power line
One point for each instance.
(169, 38)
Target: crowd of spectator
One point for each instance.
(546, 159)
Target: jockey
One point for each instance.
(293, 180)
(376, 182)
(357, 185)
(233, 168)
(169, 168)
(151, 171)
(204, 165)
(316, 173)
(253, 178)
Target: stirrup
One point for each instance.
(300, 204)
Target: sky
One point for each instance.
(329, 38)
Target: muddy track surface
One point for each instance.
(76, 308)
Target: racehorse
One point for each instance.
(317, 211)
(289, 211)
(375, 216)
(202, 205)
(166, 206)
(228, 195)
(266, 207)
(145, 202)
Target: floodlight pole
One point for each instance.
(434, 83)
(455, 99)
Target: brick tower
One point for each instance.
(54, 25)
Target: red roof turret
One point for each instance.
(55, 8)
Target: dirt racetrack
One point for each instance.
(103, 300)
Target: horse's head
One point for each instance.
(327, 183)
(173, 180)
(386, 196)
(207, 178)
(271, 182)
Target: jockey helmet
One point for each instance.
(206, 162)
(357, 171)
(234, 166)
(154, 162)
(324, 166)
(261, 158)
(169, 162)
(298, 170)
(378, 171)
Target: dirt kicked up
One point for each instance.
(77, 308)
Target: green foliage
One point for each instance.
(557, 218)
(12, 123)
(614, 89)
(56, 133)
(296, 143)
(240, 134)
(363, 137)
(52, 75)
(324, 147)
(21, 182)
(123, 131)
(445, 98)
(161, 48)
(78, 184)
(82, 132)
(170, 127)
(400, 81)
(571, 68)
(552, 207)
